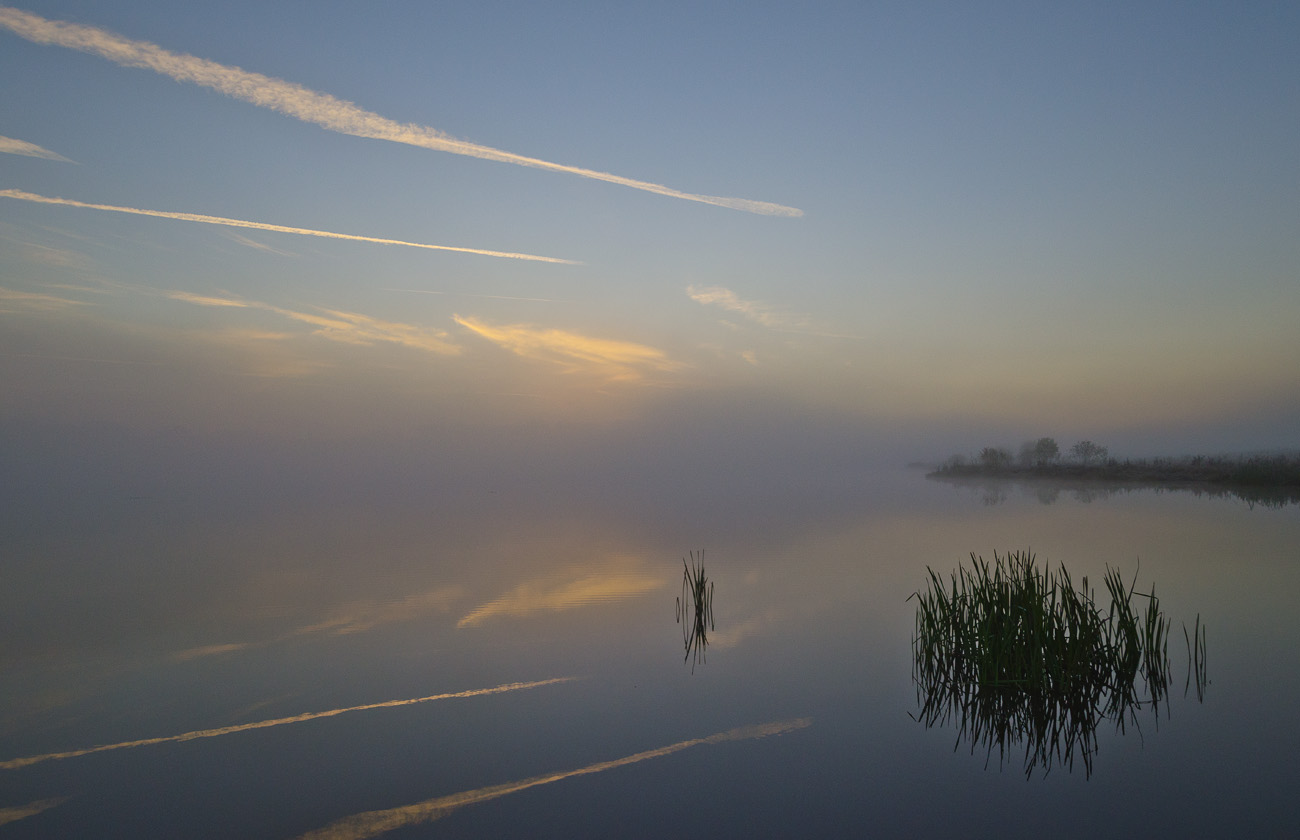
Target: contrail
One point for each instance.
(374, 823)
(324, 110)
(15, 763)
(240, 223)
(9, 145)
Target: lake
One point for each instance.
(504, 660)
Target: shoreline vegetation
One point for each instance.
(1262, 478)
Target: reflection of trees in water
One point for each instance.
(993, 496)
(1012, 655)
(996, 491)
(695, 609)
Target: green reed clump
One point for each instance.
(1008, 652)
(695, 609)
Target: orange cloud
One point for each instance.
(618, 361)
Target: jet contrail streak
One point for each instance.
(11, 146)
(240, 223)
(310, 106)
(15, 763)
(374, 823)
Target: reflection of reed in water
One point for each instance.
(1009, 654)
(1196, 660)
(695, 609)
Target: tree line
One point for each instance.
(1034, 453)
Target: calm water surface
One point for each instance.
(550, 619)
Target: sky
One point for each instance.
(733, 231)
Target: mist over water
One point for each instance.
(400, 428)
(146, 603)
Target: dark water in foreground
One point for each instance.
(549, 692)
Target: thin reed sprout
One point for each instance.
(1196, 660)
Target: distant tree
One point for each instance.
(1025, 457)
(1046, 451)
(995, 457)
(953, 463)
(1085, 451)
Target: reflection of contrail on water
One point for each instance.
(15, 763)
(240, 223)
(309, 106)
(374, 823)
(31, 809)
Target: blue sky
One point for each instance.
(978, 222)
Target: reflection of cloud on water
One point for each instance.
(374, 823)
(355, 617)
(31, 809)
(733, 635)
(15, 763)
(550, 596)
(365, 615)
(209, 650)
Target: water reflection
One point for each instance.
(995, 491)
(31, 809)
(1196, 670)
(1012, 654)
(695, 609)
(579, 589)
(374, 823)
(15, 763)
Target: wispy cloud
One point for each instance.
(309, 106)
(552, 596)
(488, 297)
(15, 763)
(91, 359)
(13, 300)
(241, 223)
(755, 310)
(31, 809)
(345, 327)
(34, 252)
(375, 823)
(617, 361)
(10, 146)
(260, 246)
